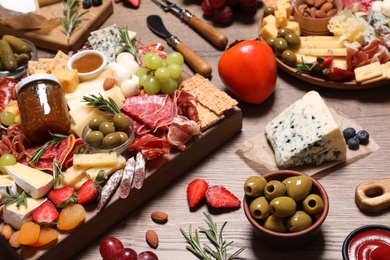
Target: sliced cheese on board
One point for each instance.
(322, 44)
(92, 173)
(323, 52)
(72, 175)
(95, 160)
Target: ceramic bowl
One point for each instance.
(84, 76)
(119, 149)
(313, 26)
(22, 70)
(288, 241)
(373, 240)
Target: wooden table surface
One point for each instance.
(226, 166)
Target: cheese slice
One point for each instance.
(17, 7)
(72, 175)
(92, 173)
(306, 133)
(7, 182)
(17, 216)
(95, 160)
(322, 44)
(35, 182)
(322, 52)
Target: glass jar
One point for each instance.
(43, 107)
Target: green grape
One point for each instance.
(142, 79)
(169, 87)
(175, 58)
(178, 80)
(147, 57)
(5, 160)
(7, 118)
(154, 62)
(162, 74)
(174, 70)
(152, 85)
(142, 71)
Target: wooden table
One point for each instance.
(226, 166)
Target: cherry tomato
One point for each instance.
(248, 70)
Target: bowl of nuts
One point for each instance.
(285, 208)
(313, 15)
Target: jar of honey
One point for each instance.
(43, 108)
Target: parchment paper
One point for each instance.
(257, 149)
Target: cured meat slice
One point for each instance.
(182, 130)
(6, 87)
(151, 145)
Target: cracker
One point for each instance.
(60, 61)
(207, 117)
(208, 95)
(46, 63)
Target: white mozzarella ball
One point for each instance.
(124, 56)
(121, 74)
(130, 87)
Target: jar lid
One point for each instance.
(37, 77)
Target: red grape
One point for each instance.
(206, 8)
(109, 247)
(217, 3)
(126, 254)
(223, 14)
(147, 255)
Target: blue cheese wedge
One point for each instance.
(35, 182)
(306, 133)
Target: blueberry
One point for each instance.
(353, 143)
(97, 2)
(349, 133)
(363, 137)
(87, 4)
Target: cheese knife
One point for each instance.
(197, 63)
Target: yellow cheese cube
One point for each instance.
(284, 5)
(68, 78)
(269, 31)
(281, 18)
(294, 26)
(269, 19)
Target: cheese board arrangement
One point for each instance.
(158, 149)
(346, 55)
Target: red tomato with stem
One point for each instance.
(248, 70)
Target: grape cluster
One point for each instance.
(113, 248)
(160, 75)
(222, 10)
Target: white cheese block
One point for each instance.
(35, 182)
(16, 217)
(306, 133)
(7, 182)
(17, 7)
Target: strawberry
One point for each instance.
(90, 189)
(134, 3)
(337, 74)
(325, 62)
(220, 197)
(196, 191)
(63, 196)
(46, 214)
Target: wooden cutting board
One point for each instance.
(55, 39)
(159, 174)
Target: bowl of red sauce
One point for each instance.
(371, 242)
(88, 63)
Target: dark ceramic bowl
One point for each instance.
(290, 240)
(373, 240)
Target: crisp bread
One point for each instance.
(207, 117)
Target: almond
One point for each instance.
(14, 241)
(7, 231)
(152, 238)
(108, 83)
(159, 217)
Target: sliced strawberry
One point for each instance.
(63, 196)
(220, 197)
(134, 3)
(196, 191)
(90, 189)
(337, 74)
(46, 214)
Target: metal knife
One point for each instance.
(198, 64)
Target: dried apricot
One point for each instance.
(29, 233)
(71, 216)
(46, 236)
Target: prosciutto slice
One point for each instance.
(6, 87)
(182, 130)
(358, 56)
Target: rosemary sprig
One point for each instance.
(18, 198)
(71, 18)
(102, 104)
(205, 252)
(128, 43)
(37, 154)
(57, 173)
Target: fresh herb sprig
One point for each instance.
(18, 198)
(57, 173)
(205, 252)
(104, 105)
(71, 19)
(128, 43)
(37, 154)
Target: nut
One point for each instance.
(7, 231)
(159, 217)
(152, 238)
(108, 83)
(14, 241)
(318, 3)
(1, 211)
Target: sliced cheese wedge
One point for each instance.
(322, 52)
(95, 160)
(17, 216)
(7, 182)
(92, 173)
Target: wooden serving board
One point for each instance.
(159, 174)
(55, 39)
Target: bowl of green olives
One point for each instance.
(286, 208)
(107, 133)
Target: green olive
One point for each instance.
(293, 40)
(288, 180)
(95, 122)
(271, 43)
(299, 188)
(289, 58)
(275, 224)
(259, 208)
(254, 186)
(121, 122)
(94, 139)
(280, 45)
(282, 207)
(313, 204)
(123, 135)
(299, 221)
(269, 10)
(106, 128)
(274, 189)
(111, 140)
(283, 31)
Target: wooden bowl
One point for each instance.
(288, 241)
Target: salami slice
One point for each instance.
(139, 173)
(127, 178)
(6, 87)
(109, 189)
